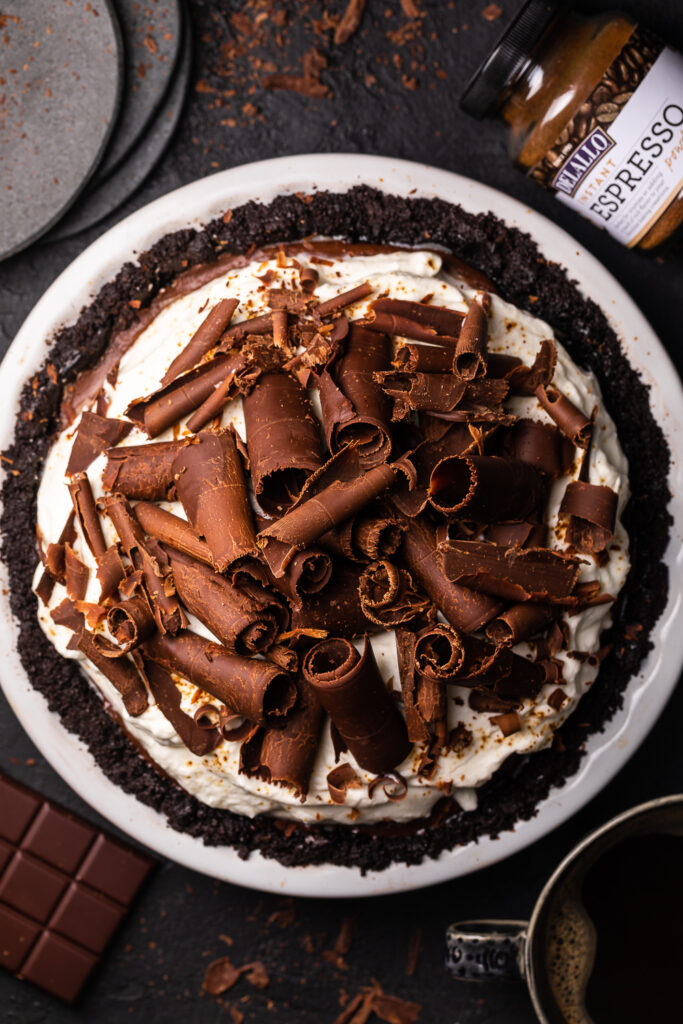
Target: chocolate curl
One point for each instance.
(343, 300)
(465, 609)
(66, 614)
(242, 624)
(440, 653)
(130, 622)
(86, 513)
(439, 319)
(171, 530)
(281, 329)
(250, 687)
(592, 512)
(210, 484)
(142, 471)
(283, 439)
(486, 488)
(469, 360)
(339, 780)
(167, 406)
(206, 337)
(525, 380)
(508, 722)
(376, 537)
(466, 273)
(516, 535)
(421, 358)
(416, 723)
(311, 517)
(513, 574)
(352, 692)
(307, 573)
(571, 421)
(542, 446)
(110, 571)
(404, 327)
(519, 622)
(500, 365)
(308, 279)
(198, 740)
(121, 672)
(213, 406)
(337, 608)
(76, 574)
(287, 300)
(258, 325)
(438, 393)
(286, 756)
(150, 560)
(459, 439)
(47, 580)
(364, 412)
(94, 435)
(388, 596)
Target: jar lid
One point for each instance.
(509, 57)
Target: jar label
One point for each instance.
(620, 160)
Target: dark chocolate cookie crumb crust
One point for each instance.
(512, 260)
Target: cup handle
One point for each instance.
(486, 950)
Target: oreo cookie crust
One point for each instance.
(512, 260)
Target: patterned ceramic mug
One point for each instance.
(588, 953)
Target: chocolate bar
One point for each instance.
(65, 886)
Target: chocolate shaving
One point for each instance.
(350, 21)
(171, 530)
(307, 573)
(286, 756)
(86, 513)
(283, 439)
(417, 721)
(512, 574)
(418, 357)
(150, 561)
(343, 300)
(438, 392)
(199, 740)
(66, 614)
(439, 320)
(388, 595)
(486, 488)
(571, 421)
(592, 512)
(121, 672)
(94, 435)
(206, 337)
(394, 786)
(351, 690)
(541, 445)
(336, 609)
(525, 380)
(519, 622)
(142, 471)
(76, 574)
(356, 409)
(130, 622)
(250, 687)
(241, 623)
(465, 609)
(469, 360)
(159, 411)
(210, 484)
(341, 778)
(458, 439)
(508, 723)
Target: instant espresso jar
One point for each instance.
(595, 112)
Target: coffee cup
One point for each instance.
(605, 939)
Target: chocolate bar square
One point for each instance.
(59, 966)
(58, 838)
(32, 887)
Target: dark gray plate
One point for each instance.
(152, 43)
(100, 200)
(62, 65)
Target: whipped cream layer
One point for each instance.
(215, 779)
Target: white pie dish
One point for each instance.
(647, 693)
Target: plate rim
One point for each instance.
(200, 201)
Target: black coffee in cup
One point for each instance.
(613, 928)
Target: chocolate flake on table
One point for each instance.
(469, 360)
(283, 440)
(65, 888)
(142, 471)
(253, 688)
(93, 436)
(206, 337)
(286, 756)
(372, 999)
(211, 486)
(351, 690)
(512, 574)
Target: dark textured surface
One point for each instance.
(159, 959)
